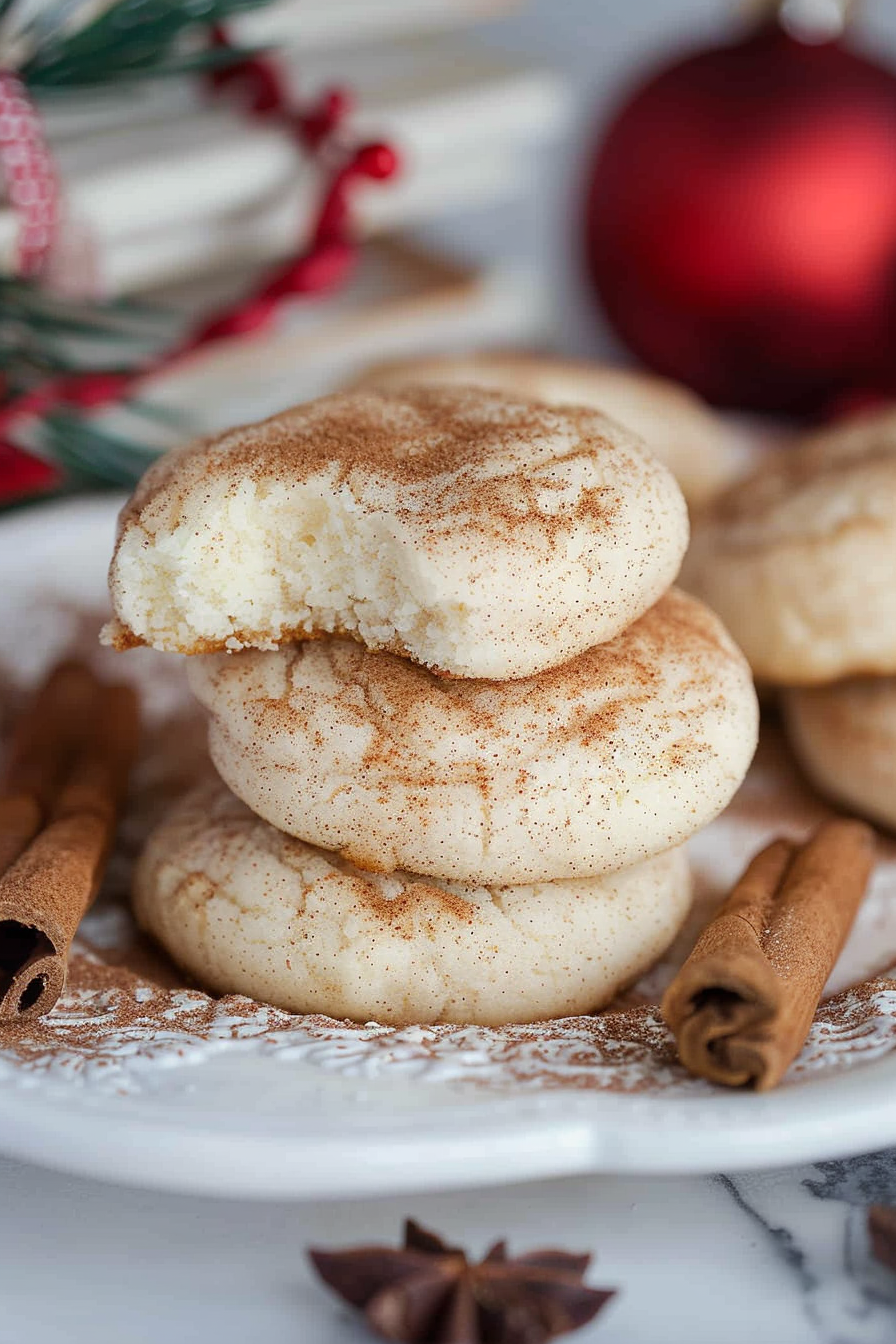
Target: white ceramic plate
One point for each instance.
(260, 1103)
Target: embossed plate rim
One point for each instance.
(135, 1141)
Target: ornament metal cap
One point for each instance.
(811, 21)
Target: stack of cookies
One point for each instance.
(800, 561)
(462, 723)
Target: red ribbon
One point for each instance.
(329, 257)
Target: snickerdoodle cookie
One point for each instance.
(620, 753)
(800, 559)
(248, 910)
(845, 739)
(479, 535)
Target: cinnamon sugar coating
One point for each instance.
(697, 446)
(249, 910)
(619, 753)
(476, 534)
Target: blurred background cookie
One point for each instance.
(844, 736)
(799, 559)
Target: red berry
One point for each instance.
(376, 160)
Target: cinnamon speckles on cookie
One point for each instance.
(478, 535)
(698, 446)
(621, 752)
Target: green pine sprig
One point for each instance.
(92, 454)
(76, 44)
(43, 334)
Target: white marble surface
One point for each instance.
(781, 1257)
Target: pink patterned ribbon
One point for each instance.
(30, 175)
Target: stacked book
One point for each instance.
(175, 182)
(179, 197)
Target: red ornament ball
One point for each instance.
(741, 223)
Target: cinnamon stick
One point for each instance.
(67, 777)
(20, 821)
(54, 724)
(741, 1006)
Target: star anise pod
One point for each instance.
(882, 1230)
(429, 1292)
